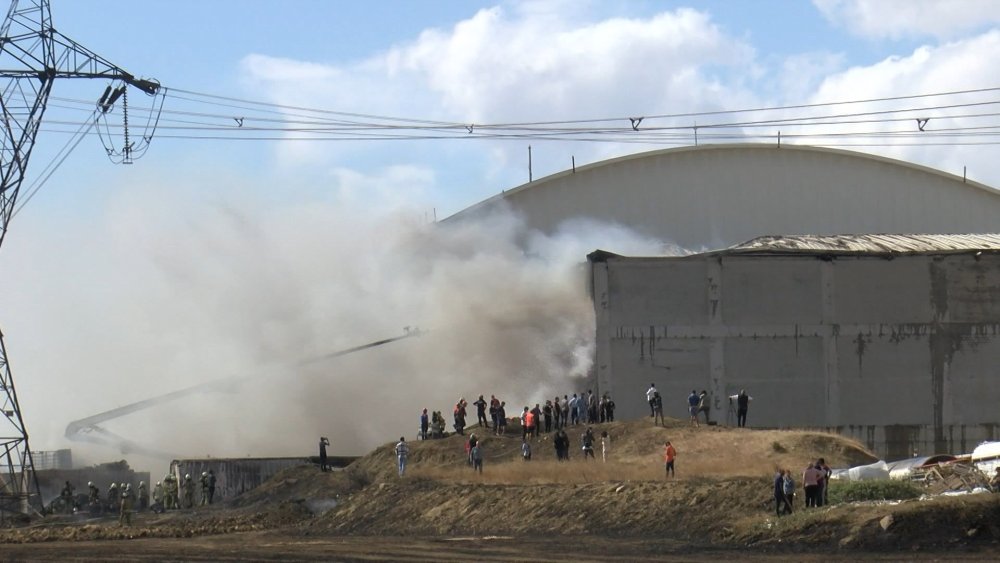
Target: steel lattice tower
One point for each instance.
(32, 56)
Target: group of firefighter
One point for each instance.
(169, 494)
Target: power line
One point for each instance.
(264, 121)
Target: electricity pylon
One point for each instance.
(32, 56)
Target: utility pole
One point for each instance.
(32, 56)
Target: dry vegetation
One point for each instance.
(635, 454)
(720, 499)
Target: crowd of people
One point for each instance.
(698, 403)
(815, 486)
(557, 413)
(120, 498)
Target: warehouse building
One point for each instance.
(894, 340)
(890, 339)
(715, 196)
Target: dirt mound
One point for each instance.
(296, 484)
(721, 496)
(950, 523)
(681, 510)
(637, 446)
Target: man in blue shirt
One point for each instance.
(693, 402)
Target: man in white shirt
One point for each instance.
(650, 393)
(402, 451)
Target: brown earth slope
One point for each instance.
(720, 497)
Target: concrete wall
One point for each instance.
(232, 476)
(902, 354)
(52, 481)
(714, 196)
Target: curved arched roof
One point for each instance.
(714, 196)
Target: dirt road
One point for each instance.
(274, 546)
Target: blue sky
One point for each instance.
(783, 52)
(118, 280)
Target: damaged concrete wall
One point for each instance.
(52, 481)
(232, 476)
(900, 353)
(236, 476)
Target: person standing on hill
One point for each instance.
(605, 445)
(323, 443)
(810, 483)
(657, 404)
(425, 424)
(789, 486)
(588, 444)
(494, 405)
(704, 405)
(547, 416)
(564, 408)
(469, 445)
(402, 452)
(537, 420)
(481, 412)
(477, 458)
(591, 407)
(779, 492)
(611, 408)
(502, 418)
(669, 454)
(650, 393)
(693, 402)
(561, 443)
(742, 405)
(824, 481)
(460, 415)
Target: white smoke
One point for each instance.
(241, 288)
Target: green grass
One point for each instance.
(871, 490)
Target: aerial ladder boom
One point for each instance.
(89, 430)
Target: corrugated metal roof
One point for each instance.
(874, 243)
(901, 469)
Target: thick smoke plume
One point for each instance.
(239, 289)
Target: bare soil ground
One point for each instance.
(717, 507)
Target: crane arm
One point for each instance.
(87, 429)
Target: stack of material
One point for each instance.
(950, 477)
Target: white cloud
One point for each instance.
(966, 64)
(494, 66)
(532, 62)
(896, 19)
(800, 74)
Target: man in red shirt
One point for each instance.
(669, 453)
(528, 420)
